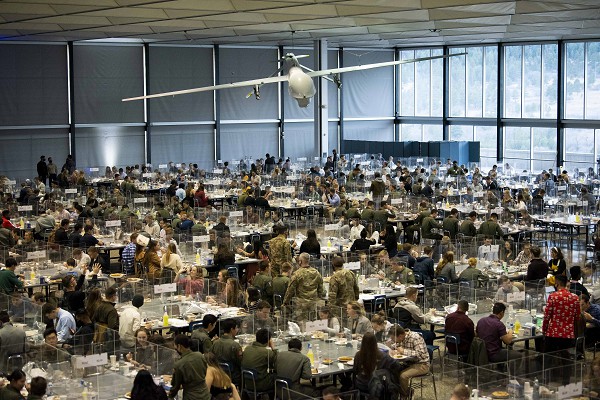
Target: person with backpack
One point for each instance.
(375, 370)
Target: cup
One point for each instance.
(124, 370)
(355, 344)
(113, 359)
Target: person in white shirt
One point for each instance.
(83, 260)
(130, 320)
(356, 229)
(151, 228)
(487, 252)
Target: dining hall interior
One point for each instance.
(299, 199)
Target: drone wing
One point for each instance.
(335, 71)
(232, 85)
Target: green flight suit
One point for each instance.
(190, 374)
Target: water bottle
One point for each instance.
(535, 395)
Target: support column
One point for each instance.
(446, 96)
(147, 105)
(560, 96)
(217, 102)
(71, 101)
(321, 101)
(500, 106)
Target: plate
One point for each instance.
(399, 357)
(345, 359)
(500, 395)
(117, 276)
(314, 371)
(128, 395)
(341, 342)
(134, 280)
(327, 361)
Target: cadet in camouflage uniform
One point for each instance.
(280, 250)
(400, 272)
(306, 287)
(228, 350)
(342, 287)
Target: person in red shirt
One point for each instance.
(6, 220)
(560, 318)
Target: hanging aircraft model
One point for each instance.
(300, 84)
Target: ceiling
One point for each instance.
(348, 23)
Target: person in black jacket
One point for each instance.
(61, 237)
(311, 244)
(73, 297)
(362, 243)
(75, 236)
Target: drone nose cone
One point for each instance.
(301, 85)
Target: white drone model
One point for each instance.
(301, 84)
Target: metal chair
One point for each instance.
(15, 361)
(195, 325)
(455, 340)
(420, 385)
(226, 367)
(251, 376)
(232, 271)
(281, 386)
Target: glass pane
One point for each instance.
(574, 80)
(407, 84)
(437, 88)
(578, 146)
(474, 82)
(461, 132)
(532, 81)
(517, 143)
(592, 84)
(432, 133)
(488, 137)
(549, 80)
(512, 82)
(410, 132)
(544, 148)
(457, 84)
(423, 84)
(490, 89)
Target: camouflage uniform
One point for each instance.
(406, 276)
(280, 251)
(342, 290)
(306, 287)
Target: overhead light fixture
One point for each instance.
(434, 30)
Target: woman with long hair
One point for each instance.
(358, 323)
(144, 388)
(446, 267)
(507, 253)
(16, 382)
(234, 296)
(143, 356)
(369, 359)
(171, 259)
(258, 251)
(218, 382)
(192, 280)
(92, 301)
(311, 244)
(557, 264)
(224, 256)
(152, 261)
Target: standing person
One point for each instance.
(377, 189)
(306, 287)
(130, 320)
(52, 172)
(280, 250)
(42, 169)
(343, 287)
(189, 372)
(560, 319)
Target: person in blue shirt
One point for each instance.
(64, 323)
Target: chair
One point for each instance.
(282, 385)
(15, 361)
(232, 271)
(195, 325)
(378, 304)
(420, 385)
(226, 367)
(455, 340)
(250, 375)
(430, 349)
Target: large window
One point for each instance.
(473, 82)
(485, 135)
(530, 86)
(420, 83)
(530, 149)
(421, 132)
(582, 80)
(582, 148)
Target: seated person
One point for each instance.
(409, 315)
(381, 326)
(493, 332)
(333, 324)
(591, 315)
(261, 357)
(51, 351)
(524, 256)
(460, 325)
(487, 251)
(472, 274)
(260, 319)
(400, 273)
(228, 350)
(362, 243)
(537, 268)
(143, 356)
(20, 307)
(575, 286)
(408, 343)
(357, 323)
(292, 366)
(218, 381)
(82, 339)
(201, 337)
(505, 286)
